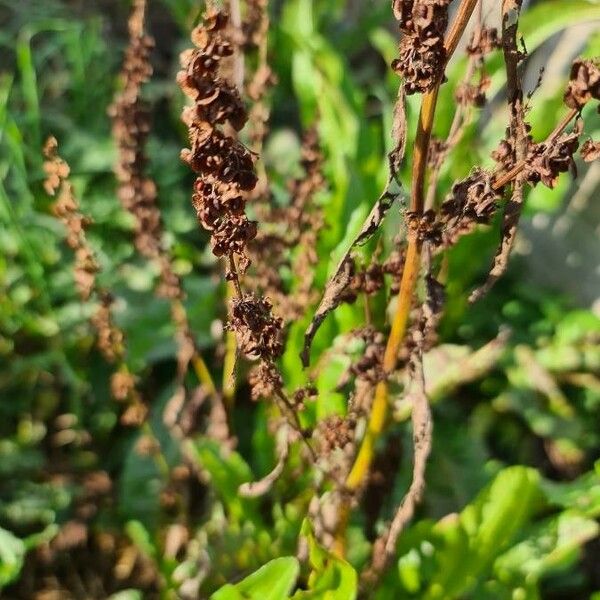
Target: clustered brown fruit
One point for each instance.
(335, 432)
(472, 201)
(264, 380)
(131, 125)
(473, 93)
(584, 83)
(369, 366)
(66, 208)
(110, 337)
(422, 53)
(122, 384)
(590, 150)
(370, 279)
(257, 331)
(225, 167)
(545, 161)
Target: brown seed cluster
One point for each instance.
(369, 367)
(546, 161)
(66, 208)
(130, 114)
(264, 380)
(422, 54)
(335, 432)
(110, 337)
(584, 83)
(257, 331)
(590, 150)
(472, 201)
(225, 167)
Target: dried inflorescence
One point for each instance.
(545, 161)
(422, 53)
(584, 83)
(483, 41)
(264, 380)
(66, 208)
(369, 367)
(122, 384)
(131, 125)
(473, 93)
(335, 432)
(110, 337)
(590, 151)
(258, 332)
(472, 201)
(225, 167)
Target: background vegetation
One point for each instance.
(90, 508)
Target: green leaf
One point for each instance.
(141, 537)
(459, 551)
(273, 581)
(331, 577)
(227, 471)
(12, 556)
(129, 594)
(550, 546)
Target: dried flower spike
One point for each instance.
(422, 53)
(225, 167)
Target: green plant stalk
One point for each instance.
(379, 409)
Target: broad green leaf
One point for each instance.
(273, 581)
(331, 578)
(141, 537)
(549, 546)
(12, 556)
(227, 471)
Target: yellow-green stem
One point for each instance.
(378, 414)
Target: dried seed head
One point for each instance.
(584, 83)
(66, 208)
(122, 384)
(369, 366)
(257, 331)
(264, 380)
(546, 161)
(472, 201)
(130, 115)
(56, 169)
(422, 53)
(590, 151)
(110, 337)
(473, 94)
(335, 432)
(224, 165)
(483, 41)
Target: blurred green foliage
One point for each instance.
(513, 498)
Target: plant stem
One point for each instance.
(379, 409)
